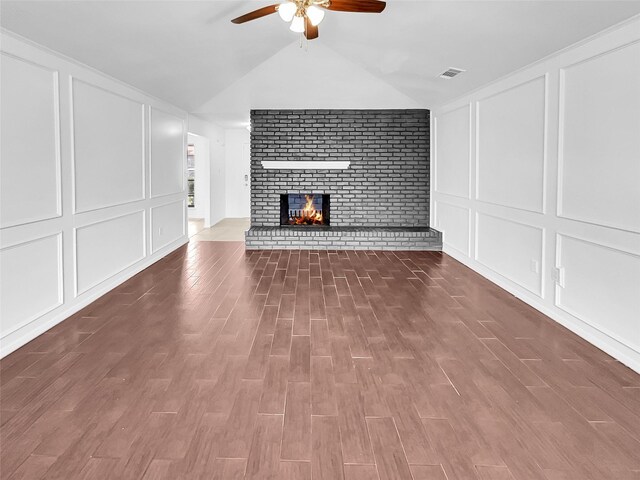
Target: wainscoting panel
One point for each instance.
(600, 167)
(556, 184)
(600, 287)
(19, 305)
(168, 224)
(510, 152)
(512, 249)
(453, 152)
(106, 248)
(74, 186)
(168, 153)
(453, 222)
(108, 148)
(29, 170)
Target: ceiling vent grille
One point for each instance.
(452, 72)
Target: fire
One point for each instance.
(308, 215)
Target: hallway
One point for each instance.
(226, 230)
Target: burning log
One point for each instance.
(307, 216)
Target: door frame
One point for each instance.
(203, 177)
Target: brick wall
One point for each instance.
(387, 183)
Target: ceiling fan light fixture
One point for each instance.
(305, 15)
(287, 11)
(315, 15)
(297, 25)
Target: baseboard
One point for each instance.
(40, 325)
(599, 339)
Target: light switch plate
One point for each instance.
(535, 266)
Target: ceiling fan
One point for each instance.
(306, 15)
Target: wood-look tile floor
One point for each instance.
(218, 363)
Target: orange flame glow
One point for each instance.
(308, 215)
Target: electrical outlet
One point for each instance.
(534, 266)
(160, 230)
(558, 276)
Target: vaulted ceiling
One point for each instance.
(189, 53)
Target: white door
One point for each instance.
(238, 173)
(245, 181)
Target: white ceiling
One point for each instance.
(189, 53)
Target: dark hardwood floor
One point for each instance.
(218, 363)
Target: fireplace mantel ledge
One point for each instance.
(305, 165)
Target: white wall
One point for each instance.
(537, 178)
(330, 81)
(93, 187)
(217, 168)
(238, 165)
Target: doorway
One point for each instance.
(198, 179)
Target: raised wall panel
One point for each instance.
(509, 248)
(453, 222)
(511, 147)
(167, 153)
(601, 288)
(108, 148)
(452, 152)
(167, 224)
(27, 268)
(600, 143)
(29, 143)
(106, 248)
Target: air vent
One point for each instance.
(452, 72)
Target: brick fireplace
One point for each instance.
(305, 209)
(379, 201)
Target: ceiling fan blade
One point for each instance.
(261, 12)
(363, 6)
(310, 31)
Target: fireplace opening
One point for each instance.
(304, 209)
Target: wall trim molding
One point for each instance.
(72, 144)
(129, 260)
(562, 93)
(540, 229)
(560, 236)
(610, 327)
(580, 43)
(434, 136)
(596, 337)
(76, 63)
(84, 300)
(149, 149)
(185, 220)
(36, 316)
(464, 208)
(545, 145)
(76, 288)
(58, 140)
